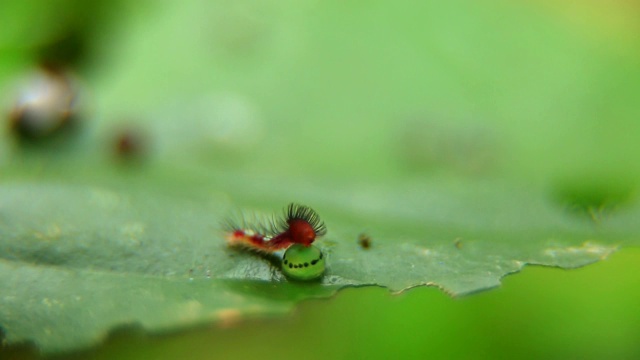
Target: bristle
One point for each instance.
(246, 245)
(300, 212)
(248, 241)
(264, 226)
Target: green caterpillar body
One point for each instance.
(303, 262)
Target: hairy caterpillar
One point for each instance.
(295, 232)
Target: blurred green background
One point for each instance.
(536, 92)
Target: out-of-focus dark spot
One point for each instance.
(22, 350)
(130, 144)
(364, 240)
(239, 29)
(72, 33)
(68, 50)
(430, 145)
(458, 243)
(46, 106)
(593, 198)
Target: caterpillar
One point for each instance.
(295, 232)
(299, 225)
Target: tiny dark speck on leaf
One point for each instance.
(364, 240)
(130, 144)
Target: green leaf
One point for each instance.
(78, 261)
